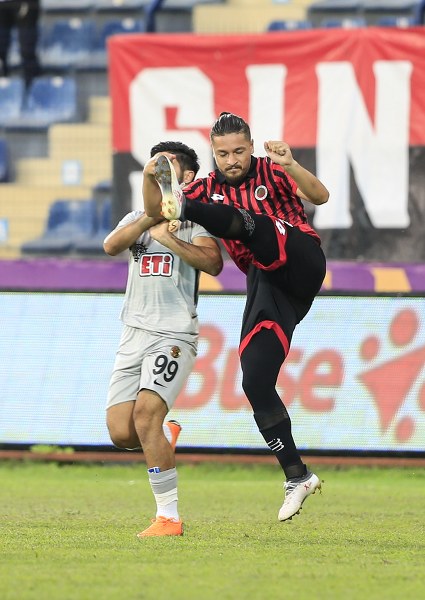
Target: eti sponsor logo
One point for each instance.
(217, 198)
(157, 265)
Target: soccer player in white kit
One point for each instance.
(158, 344)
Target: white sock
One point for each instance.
(164, 488)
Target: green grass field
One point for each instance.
(68, 533)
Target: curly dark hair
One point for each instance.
(186, 157)
(230, 123)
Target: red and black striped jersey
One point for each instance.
(266, 190)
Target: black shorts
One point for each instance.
(280, 299)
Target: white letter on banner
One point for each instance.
(379, 156)
(188, 90)
(266, 103)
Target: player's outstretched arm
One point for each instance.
(310, 188)
(122, 238)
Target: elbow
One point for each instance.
(323, 198)
(110, 249)
(216, 268)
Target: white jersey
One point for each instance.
(162, 289)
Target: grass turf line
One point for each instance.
(68, 532)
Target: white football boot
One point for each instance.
(172, 195)
(296, 491)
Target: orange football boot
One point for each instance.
(162, 526)
(175, 429)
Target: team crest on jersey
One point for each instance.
(217, 198)
(261, 193)
(137, 250)
(158, 264)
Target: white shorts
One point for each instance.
(148, 361)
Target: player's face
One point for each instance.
(232, 154)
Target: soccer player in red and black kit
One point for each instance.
(255, 206)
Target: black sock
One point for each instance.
(281, 443)
(221, 220)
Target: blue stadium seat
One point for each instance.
(4, 162)
(393, 21)
(98, 56)
(69, 222)
(12, 92)
(289, 25)
(106, 217)
(103, 187)
(49, 100)
(370, 10)
(93, 244)
(67, 43)
(119, 26)
(344, 22)
(394, 10)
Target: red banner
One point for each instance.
(350, 102)
(235, 73)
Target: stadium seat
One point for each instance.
(395, 21)
(49, 100)
(119, 26)
(4, 162)
(93, 244)
(98, 56)
(67, 43)
(12, 92)
(289, 25)
(377, 10)
(69, 221)
(369, 10)
(345, 23)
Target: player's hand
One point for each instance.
(161, 233)
(149, 168)
(280, 153)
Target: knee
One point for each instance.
(120, 434)
(144, 419)
(254, 385)
(249, 376)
